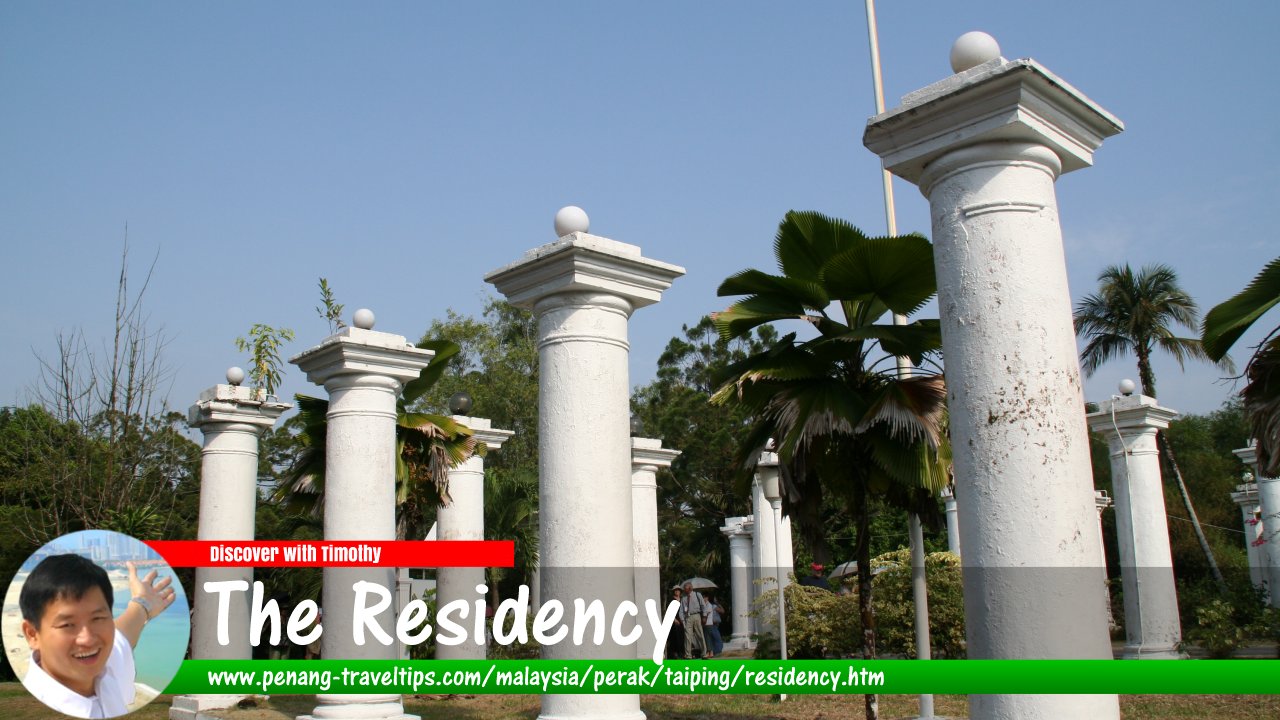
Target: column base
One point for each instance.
(1133, 652)
(636, 715)
(191, 707)
(739, 643)
(401, 716)
(359, 707)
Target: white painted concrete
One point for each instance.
(1102, 501)
(463, 519)
(953, 521)
(232, 420)
(647, 456)
(739, 531)
(1246, 497)
(363, 371)
(1129, 425)
(582, 289)
(985, 146)
(1269, 502)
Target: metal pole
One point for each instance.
(918, 587)
(777, 559)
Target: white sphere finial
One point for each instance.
(1127, 387)
(571, 219)
(972, 49)
(235, 375)
(363, 319)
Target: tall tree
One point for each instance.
(1139, 313)
(1223, 326)
(843, 421)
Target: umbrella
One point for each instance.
(701, 583)
(851, 568)
(843, 569)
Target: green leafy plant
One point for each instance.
(330, 309)
(263, 346)
(1216, 629)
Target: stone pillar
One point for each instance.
(582, 289)
(985, 146)
(363, 372)
(953, 524)
(1246, 496)
(647, 455)
(463, 519)
(1269, 502)
(1101, 501)
(739, 531)
(232, 419)
(767, 550)
(1129, 425)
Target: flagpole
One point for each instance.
(919, 591)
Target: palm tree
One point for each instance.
(427, 445)
(843, 421)
(1138, 313)
(1223, 326)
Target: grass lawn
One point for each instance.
(15, 704)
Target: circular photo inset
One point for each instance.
(96, 624)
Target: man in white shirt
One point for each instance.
(695, 607)
(82, 658)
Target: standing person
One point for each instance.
(675, 638)
(711, 626)
(695, 606)
(81, 657)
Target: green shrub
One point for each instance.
(895, 605)
(821, 623)
(1216, 629)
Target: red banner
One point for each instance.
(337, 553)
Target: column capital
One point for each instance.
(1249, 456)
(235, 404)
(354, 351)
(1246, 494)
(482, 429)
(579, 262)
(1000, 100)
(1101, 500)
(739, 526)
(648, 452)
(1131, 415)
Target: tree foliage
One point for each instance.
(843, 423)
(1223, 326)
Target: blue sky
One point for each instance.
(403, 150)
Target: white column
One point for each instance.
(1129, 425)
(232, 420)
(1246, 496)
(647, 456)
(739, 531)
(764, 550)
(1102, 501)
(985, 146)
(953, 522)
(1269, 502)
(463, 519)
(582, 289)
(363, 372)
(776, 546)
